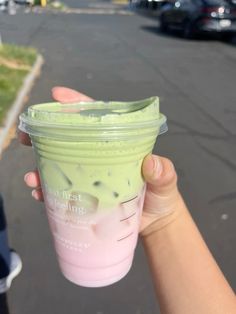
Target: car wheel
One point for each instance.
(228, 37)
(163, 25)
(188, 31)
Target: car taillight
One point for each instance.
(209, 10)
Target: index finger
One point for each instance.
(63, 95)
(68, 95)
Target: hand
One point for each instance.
(162, 193)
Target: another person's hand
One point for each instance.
(162, 193)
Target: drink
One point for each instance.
(89, 157)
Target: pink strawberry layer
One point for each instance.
(97, 249)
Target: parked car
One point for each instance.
(195, 16)
(5, 2)
(24, 1)
(149, 4)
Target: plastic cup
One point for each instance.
(89, 157)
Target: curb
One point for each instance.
(16, 107)
(119, 9)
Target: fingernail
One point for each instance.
(26, 177)
(150, 164)
(157, 167)
(153, 166)
(35, 194)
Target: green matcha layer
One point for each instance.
(93, 149)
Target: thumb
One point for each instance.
(160, 175)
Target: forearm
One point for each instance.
(186, 277)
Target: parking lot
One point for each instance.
(125, 56)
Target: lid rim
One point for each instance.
(92, 126)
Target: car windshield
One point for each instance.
(220, 2)
(233, 2)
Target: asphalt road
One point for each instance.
(125, 57)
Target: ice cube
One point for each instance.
(82, 204)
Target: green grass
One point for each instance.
(57, 5)
(23, 55)
(11, 80)
(52, 4)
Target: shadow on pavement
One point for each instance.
(177, 34)
(151, 14)
(233, 42)
(3, 304)
(155, 30)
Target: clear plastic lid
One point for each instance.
(86, 121)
